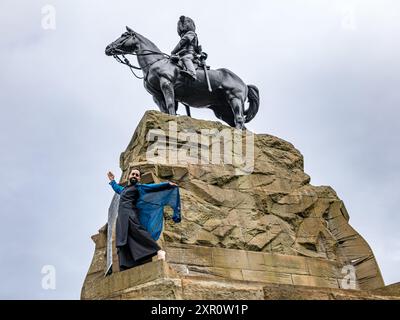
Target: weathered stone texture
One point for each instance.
(270, 226)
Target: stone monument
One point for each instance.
(259, 233)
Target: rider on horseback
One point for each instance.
(161, 79)
(188, 47)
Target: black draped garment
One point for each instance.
(134, 243)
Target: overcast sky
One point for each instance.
(329, 78)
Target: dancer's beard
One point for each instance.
(133, 181)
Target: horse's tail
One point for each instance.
(254, 102)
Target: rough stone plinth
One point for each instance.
(268, 234)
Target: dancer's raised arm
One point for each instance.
(116, 187)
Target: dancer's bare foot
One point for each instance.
(160, 255)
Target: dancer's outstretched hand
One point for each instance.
(172, 183)
(110, 175)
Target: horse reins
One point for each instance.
(131, 67)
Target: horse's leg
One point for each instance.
(224, 112)
(159, 100)
(236, 104)
(176, 105)
(169, 95)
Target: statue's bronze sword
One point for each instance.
(203, 58)
(207, 78)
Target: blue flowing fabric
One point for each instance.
(152, 199)
(151, 202)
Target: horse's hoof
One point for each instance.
(240, 127)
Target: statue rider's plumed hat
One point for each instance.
(185, 24)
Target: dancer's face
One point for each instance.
(135, 174)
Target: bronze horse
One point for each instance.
(168, 86)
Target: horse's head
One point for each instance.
(126, 43)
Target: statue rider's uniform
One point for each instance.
(186, 49)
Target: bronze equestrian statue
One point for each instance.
(165, 79)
